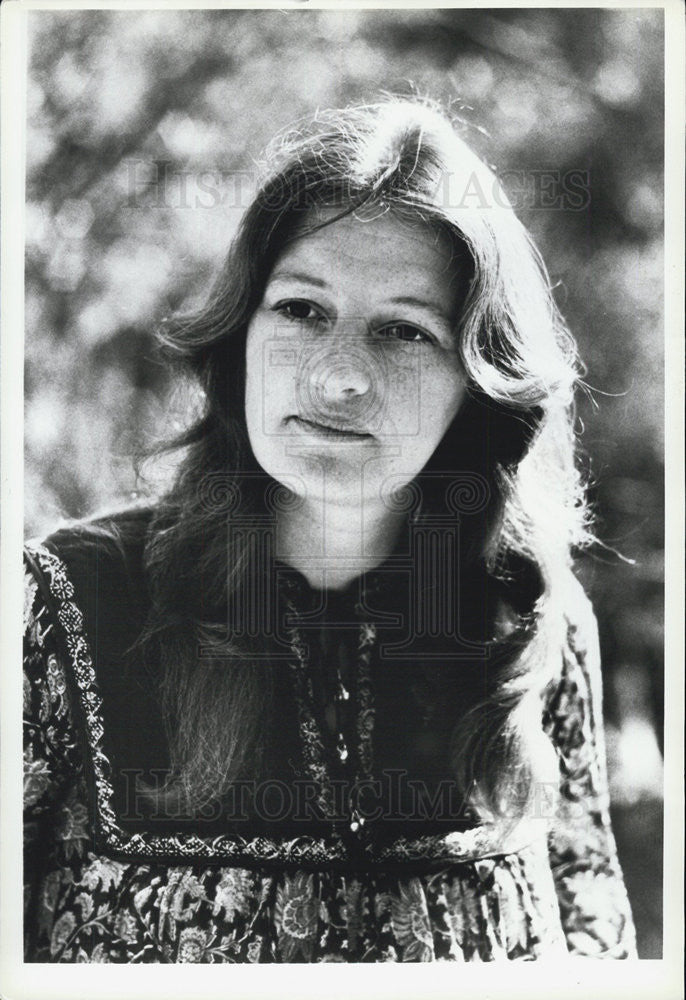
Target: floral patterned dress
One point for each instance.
(97, 892)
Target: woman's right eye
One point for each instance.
(299, 310)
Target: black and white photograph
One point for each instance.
(343, 494)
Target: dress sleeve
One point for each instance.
(52, 757)
(594, 908)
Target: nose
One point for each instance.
(341, 369)
(342, 378)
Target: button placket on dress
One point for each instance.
(353, 713)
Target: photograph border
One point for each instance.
(572, 978)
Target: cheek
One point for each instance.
(261, 385)
(443, 391)
(269, 387)
(253, 384)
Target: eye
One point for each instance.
(299, 310)
(406, 332)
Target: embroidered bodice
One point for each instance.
(331, 883)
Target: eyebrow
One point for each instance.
(409, 300)
(308, 279)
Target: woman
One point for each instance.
(336, 697)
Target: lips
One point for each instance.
(327, 430)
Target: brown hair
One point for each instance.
(521, 364)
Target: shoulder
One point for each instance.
(573, 702)
(568, 628)
(580, 618)
(118, 535)
(93, 570)
(111, 543)
(87, 586)
(52, 743)
(581, 665)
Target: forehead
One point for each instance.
(386, 253)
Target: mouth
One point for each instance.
(326, 430)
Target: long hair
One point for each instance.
(514, 430)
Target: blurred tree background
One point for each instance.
(143, 132)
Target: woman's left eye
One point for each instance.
(405, 332)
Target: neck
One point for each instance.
(332, 543)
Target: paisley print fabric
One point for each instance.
(561, 891)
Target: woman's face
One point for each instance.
(353, 374)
